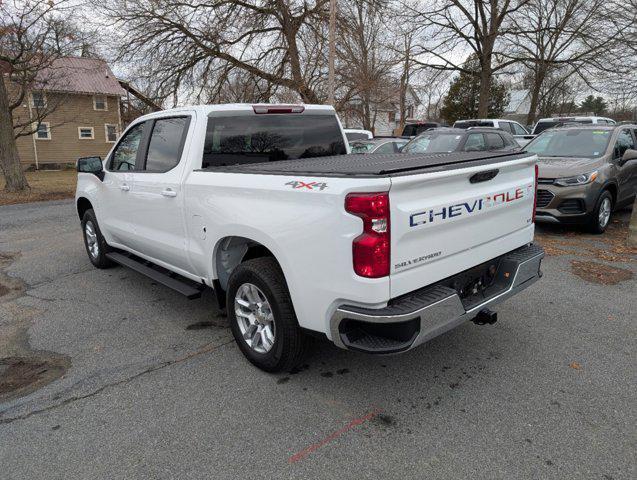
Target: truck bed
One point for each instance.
(371, 165)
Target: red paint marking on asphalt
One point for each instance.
(333, 436)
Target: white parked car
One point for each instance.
(354, 134)
(521, 134)
(546, 123)
(378, 253)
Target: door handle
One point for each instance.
(169, 192)
(124, 188)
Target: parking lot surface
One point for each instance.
(106, 375)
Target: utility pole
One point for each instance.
(332, 52)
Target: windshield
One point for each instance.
(252, 138)
(361, 147)
(434, 142)
(587, 143)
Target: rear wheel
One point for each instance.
(94, 241)
(262, 317)
(600, 218)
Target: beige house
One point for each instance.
(82, 98)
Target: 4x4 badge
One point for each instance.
(310, 186)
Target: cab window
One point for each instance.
(518, 129)
(166, 144)
(506, 126)
(124, 156)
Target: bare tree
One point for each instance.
(185, 44)
(569, 36)
(455, 28)
(365, 73)
(27, 54)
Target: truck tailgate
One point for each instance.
(446, 222)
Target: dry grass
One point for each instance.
(45, 185)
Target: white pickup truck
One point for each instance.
(378, 253)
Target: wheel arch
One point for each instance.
(83, 204)
(231, 251)
(612, 188)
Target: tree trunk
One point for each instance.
(485, 89)
(9, 159)
(535, 100)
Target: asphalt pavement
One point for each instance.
(116, 377)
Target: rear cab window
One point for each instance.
(472, 123)
(250, 138)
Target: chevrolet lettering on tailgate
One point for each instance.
(448, 212)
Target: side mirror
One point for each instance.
(91, 165)
(628, 155)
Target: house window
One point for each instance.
(43, 132)
(99, 102)
(38, 100)
(392, 117)
(85, 133)
(110, 133)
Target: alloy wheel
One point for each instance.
(254, 318)
(91, 239)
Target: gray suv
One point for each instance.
(585, 172)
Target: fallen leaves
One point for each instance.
(599, 273)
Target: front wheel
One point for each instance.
(600, 218)
(94, 241)
(262, 317)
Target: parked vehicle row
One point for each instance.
(377, 253)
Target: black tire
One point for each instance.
(289, 341)
(99, 260)
(595, 225)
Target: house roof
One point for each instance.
(80, 75)
(516, 99)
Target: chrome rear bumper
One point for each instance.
(433, 310)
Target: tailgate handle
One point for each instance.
(484, 176)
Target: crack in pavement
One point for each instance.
(205, 349)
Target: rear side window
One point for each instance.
(494, 141)
(125, 154)
(166, 144)
(475, 143)
(252, 138)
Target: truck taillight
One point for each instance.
(535, 195)
(371, 249)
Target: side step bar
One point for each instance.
(183, 286)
